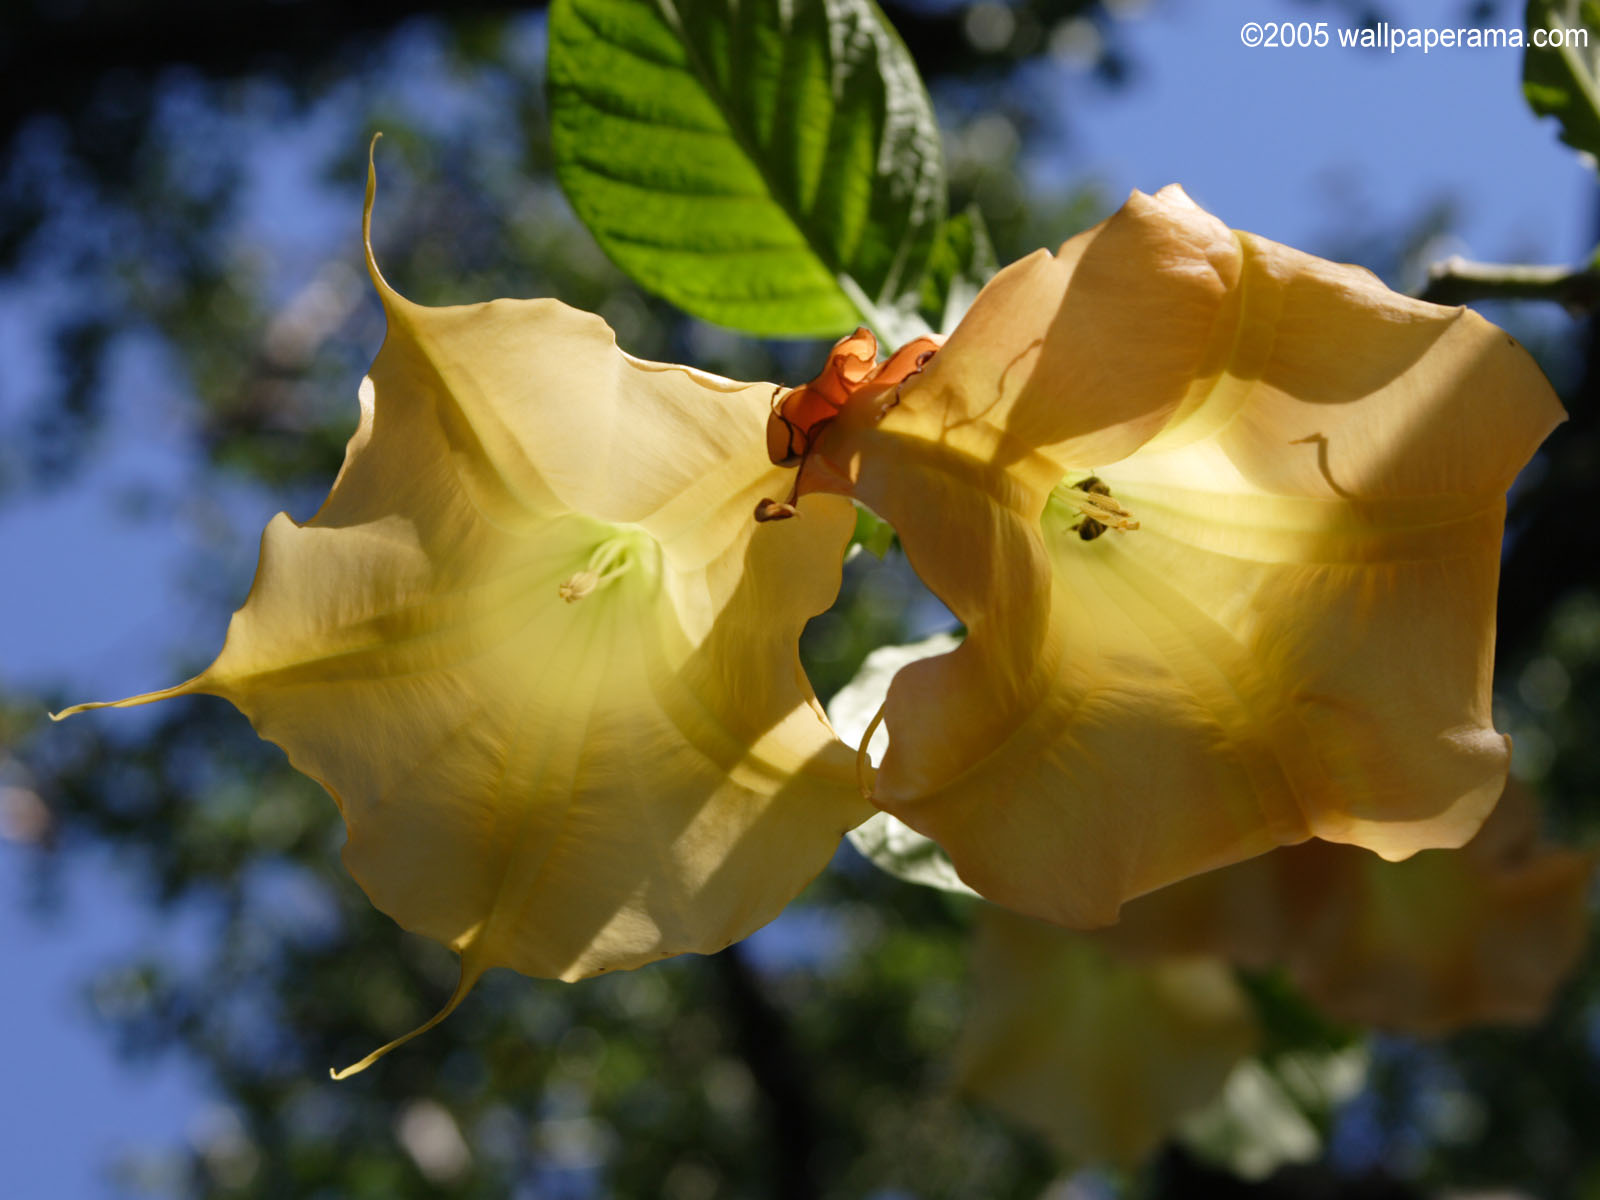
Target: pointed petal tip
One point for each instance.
(188, 687)
(1171, 196)
(75, 709)
(378, 281)
(1174, 194)
(471, 971)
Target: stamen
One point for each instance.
(610, 561)
(1105, 510)
(1092, 498)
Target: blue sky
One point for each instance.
(1293, 144)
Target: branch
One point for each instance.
(779, 1072)
(1458, 281)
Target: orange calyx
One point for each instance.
(800, 415)
(803, 411)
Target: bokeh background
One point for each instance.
(183, 321)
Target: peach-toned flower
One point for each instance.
(1444, 940)
(1223, 523)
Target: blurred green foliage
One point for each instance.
(1563, 81)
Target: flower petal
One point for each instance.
(540, 655)
(1446, 940)
(1288, 630)
(1441, 941)
(1100, 1055)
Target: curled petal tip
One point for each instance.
(188, 687)
(74, 709)
(469, 977)
(863, 755)
(378, 280)
(775, 510)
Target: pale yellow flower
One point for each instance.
(540, 655)
(1102, 1056)
(1107, 1042)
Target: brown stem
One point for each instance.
(1459, 281)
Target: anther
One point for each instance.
(607, 563)
(1100, 512)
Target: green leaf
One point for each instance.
(770, 166)
(873, 534)
(894, 847)
(885, 841)
(1271, 1114)
(1290, 1022)
(1278, 1106)
(961, 263)
(1564, 82)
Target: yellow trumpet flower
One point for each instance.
(536, 649)
(1101, 1055)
